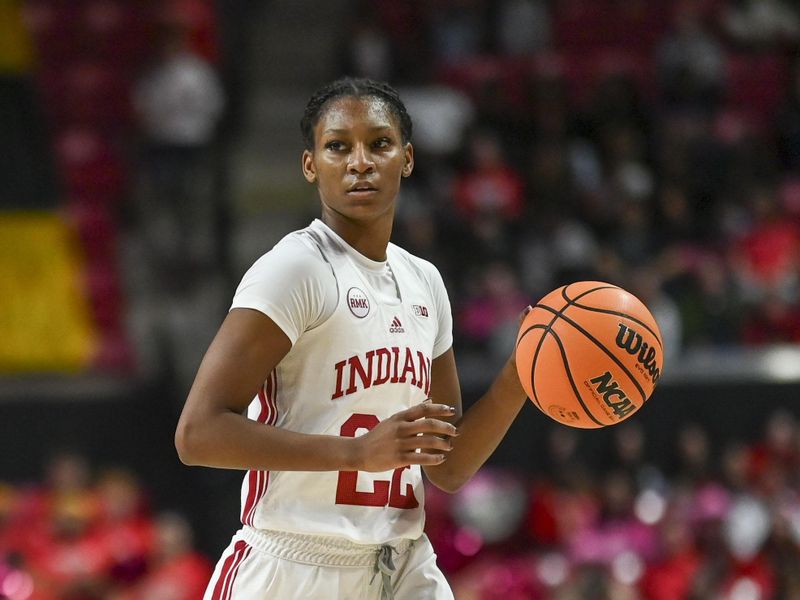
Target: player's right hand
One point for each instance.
(415, 436)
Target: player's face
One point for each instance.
(358, 159)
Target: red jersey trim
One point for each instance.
(230, 568)
(258, 481)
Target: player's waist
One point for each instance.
(318, 549)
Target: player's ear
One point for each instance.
(409, 155)
(309, 168)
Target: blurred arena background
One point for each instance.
(149, 152)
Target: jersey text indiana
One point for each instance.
(380, 366)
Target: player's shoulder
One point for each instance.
(299, 251)
(422, 267)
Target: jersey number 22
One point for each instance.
(383, 492)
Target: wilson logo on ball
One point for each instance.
(632, 342)
(616, 399)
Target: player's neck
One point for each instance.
(369, 239)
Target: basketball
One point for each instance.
(589, 354)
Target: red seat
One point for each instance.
(200, 20)
(86, 94)
(789, 196)
(638, 67)
(51, 83)
(641, 27)
(96, 228)
(582, 24)
(53, 27)
(471, 75)
(582, 73)
(122, 34)
(756, 85)
(103, 289)
(89, 165)
(98, 96)
(114, 353)
(585, 26)
(89, 50)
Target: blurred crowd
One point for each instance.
(655, 145)
(704, 523)
(85, 535)
(698, 519)
(110, 109)
(652, 144)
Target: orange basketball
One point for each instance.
(589, 354)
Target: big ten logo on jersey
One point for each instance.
(382, 366)
(419, 310)
(384, 492)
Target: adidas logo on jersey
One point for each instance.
(396, 326)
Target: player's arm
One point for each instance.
(481, 428)
(213, 431)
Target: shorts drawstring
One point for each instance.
(384, 565)
(331, 551)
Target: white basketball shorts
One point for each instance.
(265, 565)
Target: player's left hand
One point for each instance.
(513, 358)
(415, 436)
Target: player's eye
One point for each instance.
(383, 142)
(334, 145)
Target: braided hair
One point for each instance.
(356, 88)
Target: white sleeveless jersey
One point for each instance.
(367, 361)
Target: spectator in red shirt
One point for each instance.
(199, 20)
(177, 571)
(775, 458)
(773, 321)
(125, 526)
(670, 576)
(489, 186)
(44, 508)
(69, 558)
(766, 256)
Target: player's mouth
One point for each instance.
(362, 190)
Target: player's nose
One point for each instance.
(360, 160)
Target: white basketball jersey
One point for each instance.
(366, 362)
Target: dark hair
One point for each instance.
(357, 88)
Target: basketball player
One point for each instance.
(339, 347)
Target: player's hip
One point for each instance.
(322, 550)
(261, 564)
